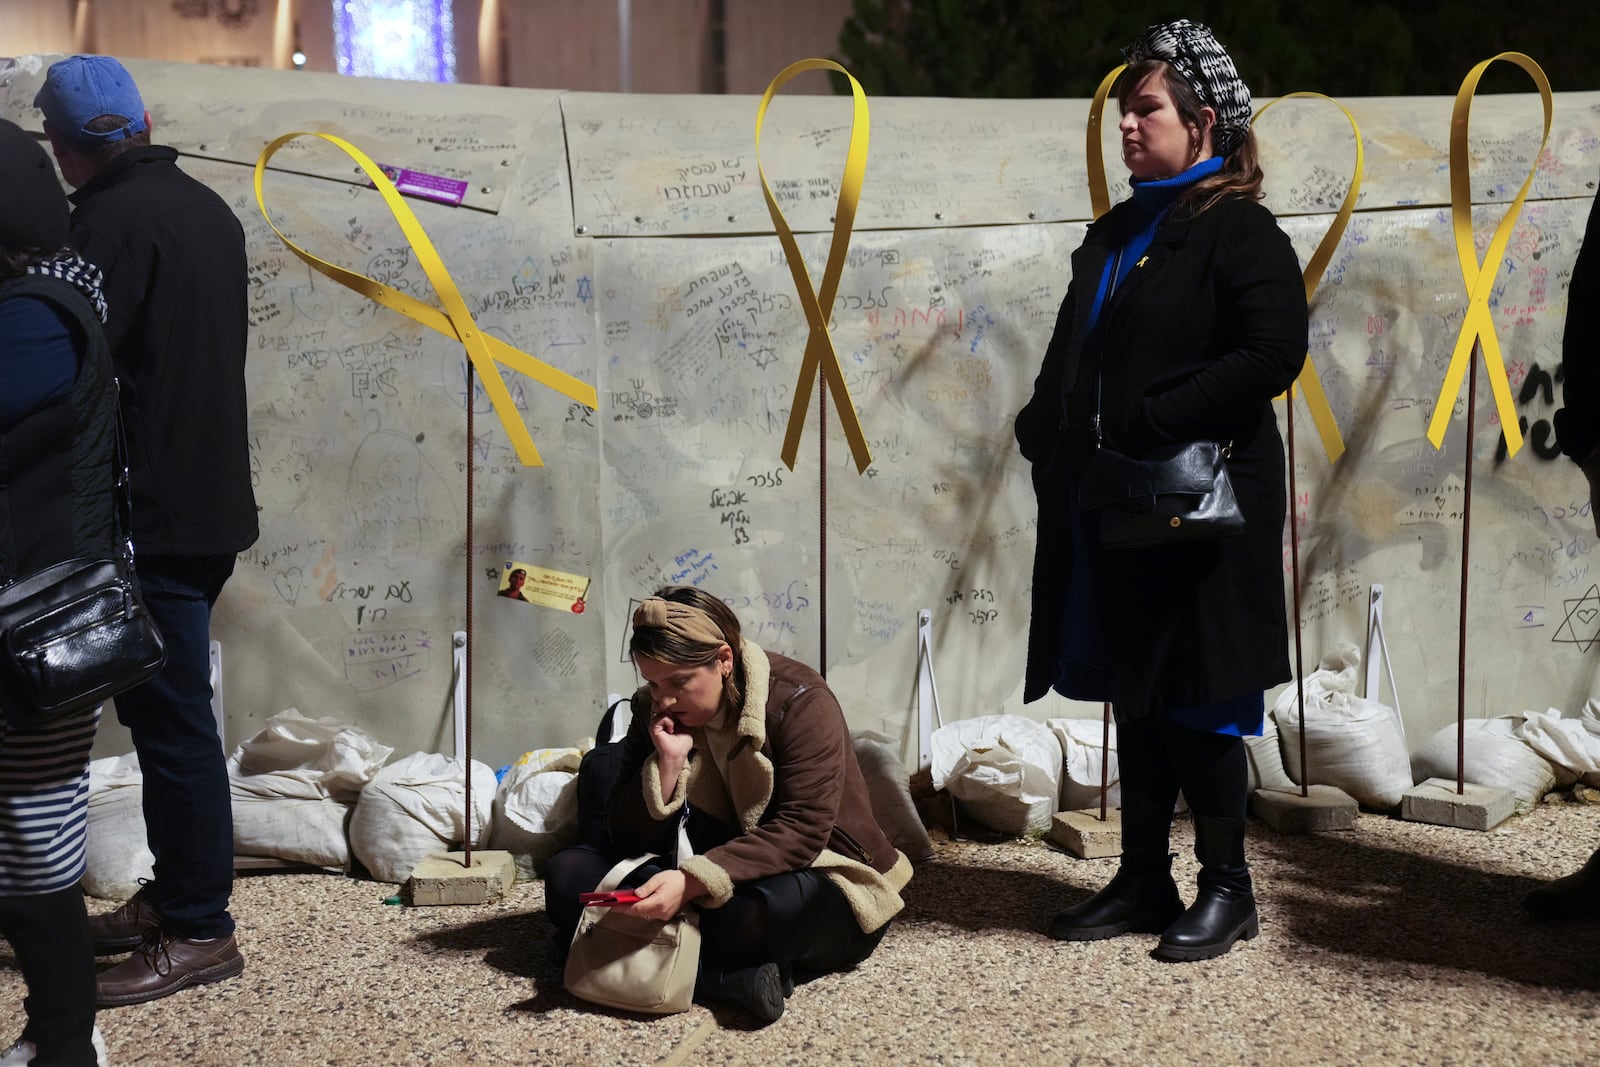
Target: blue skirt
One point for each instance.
(1083, 655)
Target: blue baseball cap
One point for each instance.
(80, 89)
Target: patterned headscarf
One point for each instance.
(685, 620)
(1193, 51)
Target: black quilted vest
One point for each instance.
(57, 466)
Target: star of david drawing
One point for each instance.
(1581, 627)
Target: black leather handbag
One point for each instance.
(76, 633)
(1177, 493)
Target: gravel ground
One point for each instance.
(1392, 943)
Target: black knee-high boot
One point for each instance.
(1141, 897)
(1214, 775)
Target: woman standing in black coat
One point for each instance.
(1187, 315)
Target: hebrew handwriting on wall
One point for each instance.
(641, 262)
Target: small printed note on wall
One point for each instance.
(543, 586)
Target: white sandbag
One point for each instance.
(889, 790)
(1265, 756)
(536, 808)
(1005, 769)
(1494, 756)
(1081, 742)
(415, 807)
(117, 855)
(285, 815)
(1572, 746)
(345, 758)
(1353, 743)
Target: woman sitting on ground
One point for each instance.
(791, 872)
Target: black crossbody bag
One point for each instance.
(76, 633)
(1176, 493)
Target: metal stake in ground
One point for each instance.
(822, 527)
(1105, 759)
(1466, 555)
(466, 756)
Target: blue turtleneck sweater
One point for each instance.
(1151, 200)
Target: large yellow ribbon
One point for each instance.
(816, 302)
(1309, 381)
(1094, 146)
(455, 321)
(1478, 326)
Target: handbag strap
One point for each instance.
(616, 874)
(122, 511)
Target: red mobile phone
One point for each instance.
(606, 900)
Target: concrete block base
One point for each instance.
(1325, 807)
(1436, 801)
(1084, 835)
(442, 879)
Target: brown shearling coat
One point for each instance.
(794, 782)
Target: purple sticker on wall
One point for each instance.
(425, 186)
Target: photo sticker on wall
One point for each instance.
(543, 586)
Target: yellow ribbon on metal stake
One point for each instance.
(1478, 326)
(455, 321)
(819, 342)
(1309, 380)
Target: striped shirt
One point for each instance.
(44, 803)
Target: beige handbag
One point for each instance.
(623, 961)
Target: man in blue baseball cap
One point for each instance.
(176, 288)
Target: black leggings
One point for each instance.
(50, 933)
(799, 917)
(1157, 758)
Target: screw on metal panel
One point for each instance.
(583, 230)
(938, 214)
(638, 218)
(1032, 215)
(505, 162)
(730, 218)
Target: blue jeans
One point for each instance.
(188, 813)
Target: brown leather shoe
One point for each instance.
(165, 964)
(122, 930)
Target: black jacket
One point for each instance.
(1197, 340)
(56, 471)
(176, 288)
(1578, 422)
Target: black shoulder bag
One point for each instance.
(1176, 493)
(76, 632)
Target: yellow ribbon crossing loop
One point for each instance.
(1479, 278)
(817, 302)
(1309, 381)
(1094, 148)
(455, 321)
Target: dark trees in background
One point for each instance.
(1062, 48)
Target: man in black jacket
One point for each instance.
(173, 254)
(1577, 896)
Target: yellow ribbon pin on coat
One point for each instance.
(455, 321)
(1478, 326)
(817, 302)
